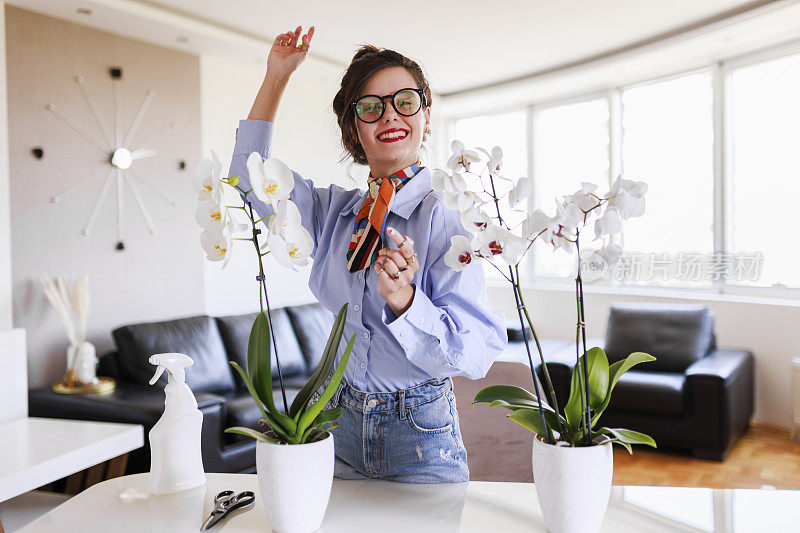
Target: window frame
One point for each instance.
(721, 71)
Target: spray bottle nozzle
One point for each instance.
(174, 363)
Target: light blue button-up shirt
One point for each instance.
(449, 329)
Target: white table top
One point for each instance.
(386, 506)
(37, 451)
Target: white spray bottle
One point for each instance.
(176, 463)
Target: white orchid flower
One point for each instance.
(563, 240)
(461, 158)
(497, 240)
(610, 253)
(271, 180)
(286, 215)
(211, 214)
(535, 223)
(292, 247)
(495, 160)
(628, 197)
(584, 198)
(217, 244)
(460, 253)
(569, 215)
(608, 224)
(442, 181)
(520, 191)
(475, 220)
(207, 180)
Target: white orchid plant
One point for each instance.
(593, 379)
(291, 245)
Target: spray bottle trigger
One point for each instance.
(159, 371)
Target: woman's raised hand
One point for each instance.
(286, 55)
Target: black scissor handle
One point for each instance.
(243, 499)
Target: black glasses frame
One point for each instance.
(420, 92)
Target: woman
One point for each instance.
(416, 321)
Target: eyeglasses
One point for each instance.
(406, 102)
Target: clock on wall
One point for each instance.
(121, 155)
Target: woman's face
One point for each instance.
(388, 156)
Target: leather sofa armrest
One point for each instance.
(725, 365)
(129, 403)
(721, 393)
(108, 365)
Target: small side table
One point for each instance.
(796, 398)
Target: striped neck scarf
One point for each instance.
(366, 240)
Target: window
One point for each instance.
(765, 171)
(509, 131)
(668, 142)
(720, 211)
(570, 146)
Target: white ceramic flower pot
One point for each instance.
(295, 482)
(573, 485)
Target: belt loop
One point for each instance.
(401, 401)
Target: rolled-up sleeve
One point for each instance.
(312, 202)
(450, 329)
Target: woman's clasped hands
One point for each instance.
(395, 270)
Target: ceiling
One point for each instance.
(462, 44)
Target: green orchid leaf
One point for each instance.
(276, 419)
(615, 371)
(549, 415)
(627, 437)
(247, 432)
(598, 371)
(508, 393)
(259, 366)
(529, 419)
(323, 368)
(315, 434)
(313, 412)
(327, 415)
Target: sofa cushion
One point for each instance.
(676, 335)
(235, 332)
(312, 324)
(653, 393)
(197, 337)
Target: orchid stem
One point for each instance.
(263, 285)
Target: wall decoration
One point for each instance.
(120, 156)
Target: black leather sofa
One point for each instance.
(695, 396)
(301, 333)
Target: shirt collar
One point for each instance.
(405, 201)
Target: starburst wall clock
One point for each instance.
(119, 160)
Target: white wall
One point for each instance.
(5, 219)
(305, 139)
(767, 330)
(155, 277)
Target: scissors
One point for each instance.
(225, 503)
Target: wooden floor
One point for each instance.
(764, 456)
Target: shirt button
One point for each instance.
(363, 365)
(402, 333)
(366, 335)
(356, 307)
(360, 275)
(372, 403)
(421, 320)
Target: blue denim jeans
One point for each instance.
(410, 435)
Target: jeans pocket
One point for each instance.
(434, 416)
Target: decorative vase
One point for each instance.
(295, 482)
(84, 363)
(573, 485)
